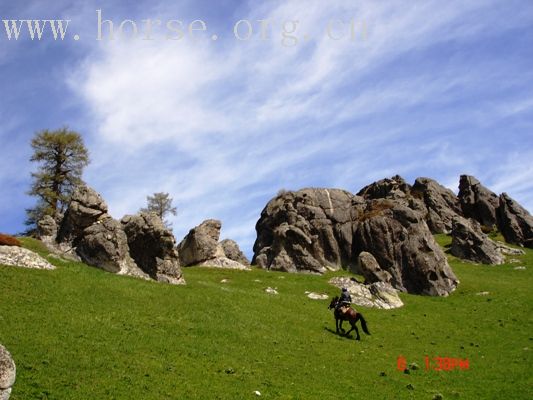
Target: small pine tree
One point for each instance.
(62, 156)
(161, 204)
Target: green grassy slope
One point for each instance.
(81, 333)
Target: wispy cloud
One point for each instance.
(206, 124)
(222, 125)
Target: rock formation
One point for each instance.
(201, 243)
(140, 246)
(478, 202)
(388, 188)
(435, 203)
(309, 230)
(153, 247)
(376, 295)
(403, 246)
(319, 229)
(442, 204)
(233, 252)
(21, 257)
(8, 373)
(105, 245)
(201, 247)
(86, 207)
(470, 243)
(371, 270)
(515, 222)
(490, 210)
(47, 230)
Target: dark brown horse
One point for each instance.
(351, 316)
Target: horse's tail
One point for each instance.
(363, 324)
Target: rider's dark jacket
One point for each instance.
(345, 299)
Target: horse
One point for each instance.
(351, 316)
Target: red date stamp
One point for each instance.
(435, 364)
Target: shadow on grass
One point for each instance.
(340, 335)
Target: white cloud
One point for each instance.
(207, 121)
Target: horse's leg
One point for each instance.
(336, 325)
(352, 327)
(356, 331)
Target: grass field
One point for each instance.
(81, 333)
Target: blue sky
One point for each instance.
(425, 88)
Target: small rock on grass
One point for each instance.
(317, 296)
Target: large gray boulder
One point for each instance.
(315, 230)
(88, 233)
(442, 204)
(201, 247)
(515, 222)
(308, 230)
(233, 252)
(153, 247)
(47, 230)
(201, 243)
(8, 372)
(470, 243)
(478, 202)
(86, 207)
(435, 203)
(371, 270)
(105, 245)
(402, 244)
(388, 188)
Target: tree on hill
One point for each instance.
(161, 204)
(61, 156)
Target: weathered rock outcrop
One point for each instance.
(371, 270)
(153, 247)
(86, 207)
(309, 230)
(435, 203)
(402, 245)
(201, 247)
(8, 373)
(105, 245)
(515, 222)
(470, 243)
(376, 295)
(319, 229)
(233, 252)
(442, 204)
(388, 188)
(47, 230)
(382, 232)
(87, 232)
(478, 202)
(201, 243)
(21, 257)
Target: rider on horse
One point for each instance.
(345, 301)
